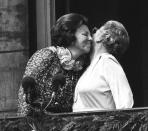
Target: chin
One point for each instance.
(87, 50)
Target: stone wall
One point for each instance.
(14, 49)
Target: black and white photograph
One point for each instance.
(73, 65)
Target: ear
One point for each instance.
(109, 38)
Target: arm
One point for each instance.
(118, 84)
(36, 66)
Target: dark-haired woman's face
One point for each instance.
(83, 39)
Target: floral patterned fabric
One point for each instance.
(43, 66)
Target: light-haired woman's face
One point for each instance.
(83, 39)
(97, 36)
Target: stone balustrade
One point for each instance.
(135, 119)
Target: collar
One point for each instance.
(66, 60)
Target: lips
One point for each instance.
(88, 45)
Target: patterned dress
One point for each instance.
(43, 66)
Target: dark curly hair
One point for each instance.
(115, 37)
(63, 32)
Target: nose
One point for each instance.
(94, 30)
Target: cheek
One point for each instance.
(96, 38)
(81, 40)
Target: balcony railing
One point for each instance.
(135, 119)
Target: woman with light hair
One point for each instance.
(104, 85)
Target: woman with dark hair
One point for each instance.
(51, 73)
(104, 84)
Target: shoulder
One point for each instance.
(44, 53)
(40, 60)
(109, 59)
(112, 70)
(111, 64)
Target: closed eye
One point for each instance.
(85, 34)
(98, 41)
